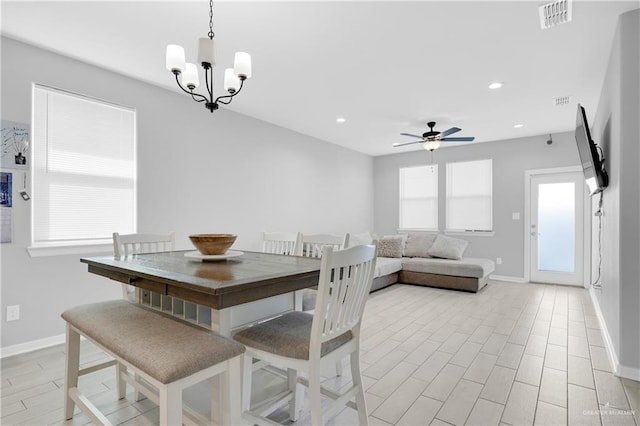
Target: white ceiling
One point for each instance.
(386, 66)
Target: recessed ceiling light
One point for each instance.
(340, 120)
(518, 126)
(495, 85)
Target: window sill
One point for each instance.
(405, 230)
(471, 233)
(59, 249)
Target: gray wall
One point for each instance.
(510, 160)
(197, 172)
(616, 129)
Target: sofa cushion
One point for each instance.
(465, 267)
(418, 244)
(391, 246)
(386, 266)
(448, 248)
(403, 236)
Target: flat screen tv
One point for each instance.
(595, 174)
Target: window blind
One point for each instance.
(84, 170)
(469, 196)
(419, 197)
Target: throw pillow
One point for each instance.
(360, 239)
(404, 239)
(418, 244)
(390, 246)
(448, 248)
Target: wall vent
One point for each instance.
(562, 101)
(555, 13)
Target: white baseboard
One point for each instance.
(507, 278)
(611, 350)
(32, 345)
(629, 372)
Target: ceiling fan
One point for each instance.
(432, 138)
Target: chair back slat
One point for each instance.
(130, 244)
(312, 244)
(345, 280)
(288, 243)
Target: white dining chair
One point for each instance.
(289, 243)
(302, 342)
(130, 244)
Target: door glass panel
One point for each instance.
(556, 227)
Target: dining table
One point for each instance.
(239, 290)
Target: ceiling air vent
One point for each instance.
(562, 101)
(555, 13)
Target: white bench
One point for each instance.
(168, 354)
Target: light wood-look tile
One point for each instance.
(458, 406)
(553, 388)
(530, 370)
(550, 415)
(485, 413)
(396, 405)
(486, 346)
(521, 404)
(580, 372)
(422, 412)
(583, 406)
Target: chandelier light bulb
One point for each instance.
(242, 65)
(231, 81)
(190, 76)
(206, 51)
(175, 58)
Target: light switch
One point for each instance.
(515, 215)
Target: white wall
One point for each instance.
(616, 129)
(198, 172)
(511, 158)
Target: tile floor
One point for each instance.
(513, 354)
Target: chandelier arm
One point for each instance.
(219, 98)
(206, 81)
(188, 92)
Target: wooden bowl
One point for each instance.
(209, 244)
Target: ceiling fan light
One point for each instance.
(242, 65)
(206, 51)
(175, 58)
(431, 145)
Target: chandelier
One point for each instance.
(187, 73)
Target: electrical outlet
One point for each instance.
(13, 313)
(499, 261)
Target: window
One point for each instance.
(419, 197)
(469, 196)
(84, 169)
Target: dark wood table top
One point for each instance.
(218, 284)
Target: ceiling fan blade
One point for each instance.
(409, 134)
(462, 139)
(450, 131)
(407, 143)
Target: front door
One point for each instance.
(556, 228)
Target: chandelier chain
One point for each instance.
(211, 33)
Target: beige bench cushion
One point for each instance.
(287, 335)
(465, 267)
(165, 348)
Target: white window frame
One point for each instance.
(467, 231)
(72, 246)
(401, 199)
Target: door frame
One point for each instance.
(586, 231)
